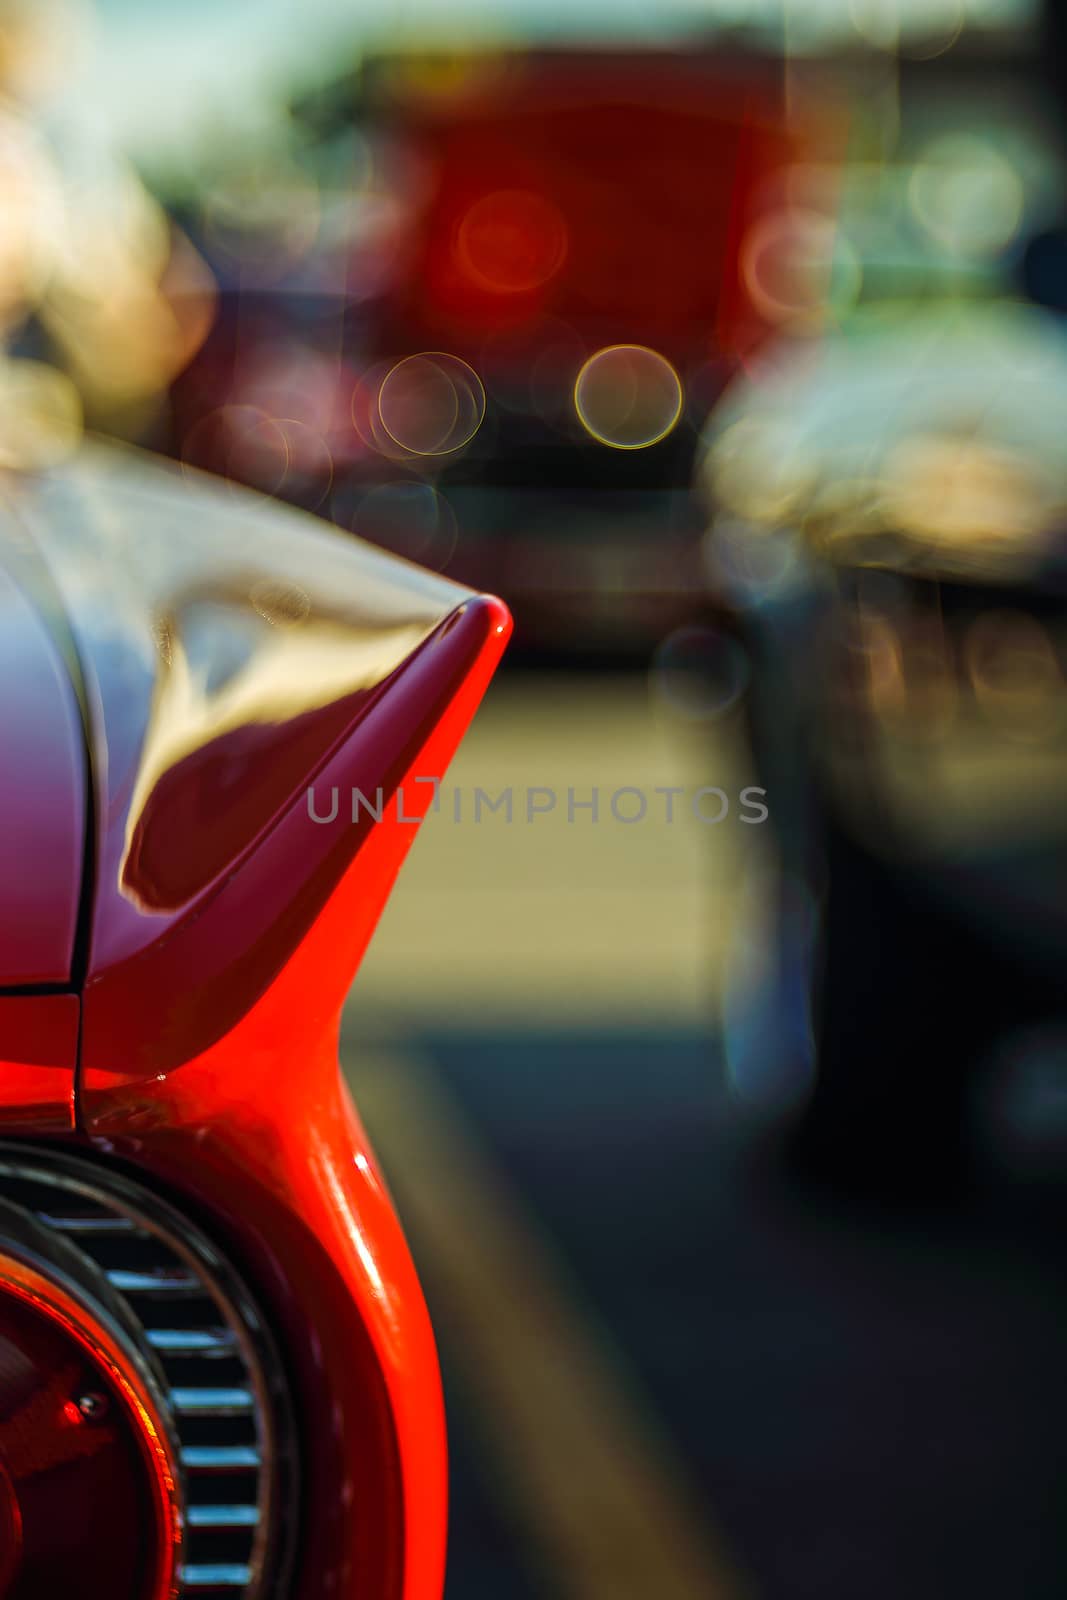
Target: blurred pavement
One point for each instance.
(670, 1376)
(581, 920)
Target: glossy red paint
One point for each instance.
(71, 1484)
(173, 998)
(10, 1529)
(230, 654)
(258, 1129)
(227, 644)
(38, 1057)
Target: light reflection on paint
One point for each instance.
(282, 604)
(40, 415)
(349, 1221)
(33, 216)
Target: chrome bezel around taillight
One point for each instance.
(159, 1291)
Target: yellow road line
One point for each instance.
(595, 1488)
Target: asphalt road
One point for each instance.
(670, 1373)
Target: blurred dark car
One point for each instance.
(889, 514)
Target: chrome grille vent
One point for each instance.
(201, 1334)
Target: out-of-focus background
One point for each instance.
(683, 327)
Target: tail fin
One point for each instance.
(274, 704)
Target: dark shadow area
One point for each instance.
(868, 1403)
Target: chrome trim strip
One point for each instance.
(86, 1225)
(162, 1281)
(217, 1402)
(191, 1341)
(222, 1516)
(157, 1268)
(216, 1577)
(219, 1457)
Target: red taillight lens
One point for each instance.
(146, 1448)
(88, 1501)
(10, 1531)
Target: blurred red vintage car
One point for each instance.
(498, 302)
(221, 722)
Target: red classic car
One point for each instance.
(565, 231)
(217, 1373)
